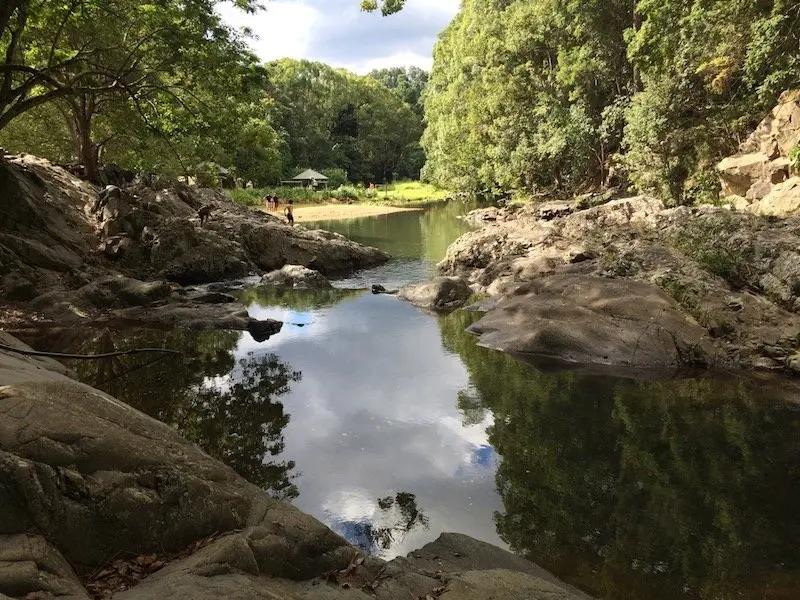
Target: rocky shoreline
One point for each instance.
(628, 283)
(633, 284)
(97, 497)
(73, 254)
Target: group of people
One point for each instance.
(272, 203)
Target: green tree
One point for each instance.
(388, 7)
(332, 119)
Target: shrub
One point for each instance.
(346, 192)
(719, 245)
(208, 175)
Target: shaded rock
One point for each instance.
(547, 211)
(591, 320)
(263, 330)
(189, 255)
(30, 565)
(15, 287)
(296, 276)
(98, 478)
(758, 190)
(104, 294)
(443, 293)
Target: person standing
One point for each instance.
(288, 211)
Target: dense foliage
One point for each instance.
(543, 94)
(166, 86)
(332, 119)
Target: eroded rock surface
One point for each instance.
(731, 277)
(441, 294)
(295, 276)
(760, 178)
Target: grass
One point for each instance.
(406, 193)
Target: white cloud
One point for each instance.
(398, 59)
(284, 29)
(338, 33)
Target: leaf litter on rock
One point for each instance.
(120, 575)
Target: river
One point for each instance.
(391, 425)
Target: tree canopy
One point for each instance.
(167, 86)
(560, 94)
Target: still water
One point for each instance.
(392, 426)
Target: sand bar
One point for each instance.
(331, 212)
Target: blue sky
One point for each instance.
(338, 33)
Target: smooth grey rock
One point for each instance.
(29, 564)
(442, 293)
(594, 321)
(296, 276)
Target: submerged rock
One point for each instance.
(443, 293)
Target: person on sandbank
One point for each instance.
(288, 211)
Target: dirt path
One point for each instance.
(331, 212)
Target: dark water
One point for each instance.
(392, 426)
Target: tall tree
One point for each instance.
(87, 54)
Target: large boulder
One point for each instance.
(763, 161)
(443, 293)
(783, 200)
(589, 320)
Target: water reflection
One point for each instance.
(630, 490)
(226, 404)
(417, 241)
(375, 416)
(383, 524)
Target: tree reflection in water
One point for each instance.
(631, 490)
(399, 515)
(229, 409)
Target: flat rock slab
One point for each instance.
(593, 320)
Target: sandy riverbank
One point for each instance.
(331, 212)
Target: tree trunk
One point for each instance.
(86, 150)
(637, 23)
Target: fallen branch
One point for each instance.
(86, 356)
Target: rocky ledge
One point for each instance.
(96, 497)
(60, 236)
(633, 284)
